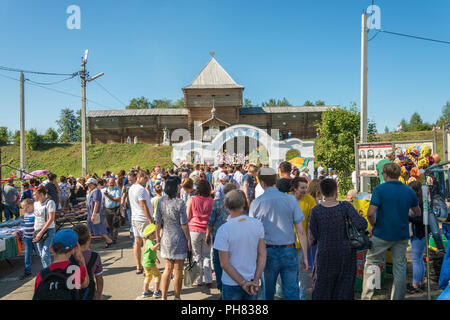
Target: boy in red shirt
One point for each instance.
(65, 244)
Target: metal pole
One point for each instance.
(83, 118)
(22, 125)
(425, 222)
(363, 125)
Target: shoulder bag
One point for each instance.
(358, 239)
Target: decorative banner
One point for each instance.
(369, 155)
(299, 162)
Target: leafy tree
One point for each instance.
(4, 136)
(141, 103)
(50, 136)
(308, 103)
(371, 131)
(445, 116)
(161, 104)
(69, 126)
(276, 103)
(179, 104)
(335, 145)
(320, 103)
(16, 138)
(405, 125)
(32, 140)
(386, 129)
(247, 103)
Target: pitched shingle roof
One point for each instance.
(137, 112)
(213, 76)
(262, 110)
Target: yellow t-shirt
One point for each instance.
(306, 204)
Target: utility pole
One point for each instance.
(83, 116)
(364, 180)
(22, 125)
(84, 79)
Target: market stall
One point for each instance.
(11, 239)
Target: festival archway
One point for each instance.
(276, 149)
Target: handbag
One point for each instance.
(358, 239)
(97, 218)
(191, 271)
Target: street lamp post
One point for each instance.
(83, 111)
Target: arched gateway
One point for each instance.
(276, 149)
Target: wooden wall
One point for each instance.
(203, 97)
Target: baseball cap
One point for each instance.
(67, 238)
(91, 180)
(267, 172)
(149, 229)
(222, 176)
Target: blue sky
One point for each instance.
(301, 50)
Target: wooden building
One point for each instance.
(212, 102)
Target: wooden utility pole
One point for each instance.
(83, 118)
(22, 125)
(363, 135)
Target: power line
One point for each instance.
(51, 83)
(98, 83)
(36, 72)
(56, 90)
(409, 36)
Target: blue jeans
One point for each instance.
(30, 246)
(129, 222)
(283, 262)
(235, 293)
(417, 249)
(10, 211)
(43, 248)
(217, 269)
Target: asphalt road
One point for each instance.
(122, 283)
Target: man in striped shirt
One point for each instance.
(28, 218)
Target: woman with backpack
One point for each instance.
(44, 225)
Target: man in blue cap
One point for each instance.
(65, 244)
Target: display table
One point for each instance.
(69, 217)
(11, 239)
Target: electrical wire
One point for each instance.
(36, 72)
(51, 83)
(98, 83)
(415, 37)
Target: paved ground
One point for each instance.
(122, 283)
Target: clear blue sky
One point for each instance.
(301, 50)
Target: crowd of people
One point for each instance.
(262, 233)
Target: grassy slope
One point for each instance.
(66, 159)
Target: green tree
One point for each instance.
(320, 103)
(69, 126)
(308, 103)
(161, 104)
(16, 138)
(276, 103)
(4, 136)
(141, 103)
(50, 136)
(371, 131)
(179, 104)
(33, 140)
(405, 125)
(445, 116)
(386, 129)
(247, 103)
(335, 145)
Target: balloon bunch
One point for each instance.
(413, 160)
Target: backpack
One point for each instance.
(53, 286)
(89, 292)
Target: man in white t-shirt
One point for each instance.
(141, 209)
(215, 178)
(242, 251)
